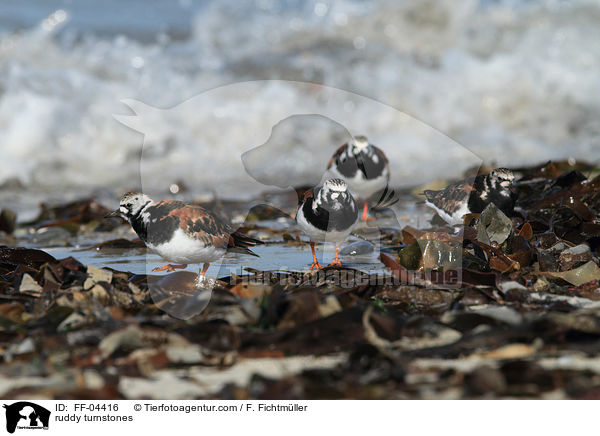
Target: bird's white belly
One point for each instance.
(316, 234)
(360, 186)
(456, 217)
(185, 250)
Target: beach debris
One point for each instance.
(29, 285)
(579, 276)
(494, 226)
(501, 307)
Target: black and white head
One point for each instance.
(360, 145)
(333, 195)
(132, 203)
(501, 179)
(500, 189)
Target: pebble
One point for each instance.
(24, 347)
(27, 346)
(330, 306)
(28, 284)
(509, 285)
(100, 294)
(185, 355)
(96, 275)
(541, 285)
(358, 248)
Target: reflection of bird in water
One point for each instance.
(327, 213)
(363, 166)
(180, 232)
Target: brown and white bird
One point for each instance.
(181, 233)
(473, 195)
(327, 213)
(364, 167)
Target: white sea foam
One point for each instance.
(513, 82)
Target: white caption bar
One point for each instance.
(151, 417)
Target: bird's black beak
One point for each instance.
(114, 213)
(514, 188)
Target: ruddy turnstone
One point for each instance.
(363, 166)
(473, 195)
(180, 232)
(327, 213)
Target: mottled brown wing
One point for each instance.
(201, 224)
(451, 198)
(310, 193)
(381, 155)
(302, 197)
(336, 155)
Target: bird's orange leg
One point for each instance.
(364, 216)
(204, 269)
(169, 268)
(336, 261)
(315, 264)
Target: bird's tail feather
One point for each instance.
(386, 198)
(239, 243)
(242, 250)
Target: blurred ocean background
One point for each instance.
(513, 82)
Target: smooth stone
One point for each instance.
(358, 248)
